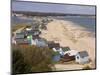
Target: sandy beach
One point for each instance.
(68, 34)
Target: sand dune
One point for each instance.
(68, 34)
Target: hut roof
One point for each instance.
(22, 41)
(32, 32)
(83, 54)
(71, 52)
(53, 45)
(65, 48)
(20, 35)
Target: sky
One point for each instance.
(52, 8)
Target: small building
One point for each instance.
(39, 42)
(28, 29)
(69, 55)
(59, 50)
(56, 47)
(22, 42)
(56, 58)
(67, 58)
(33, 32)
(51, 44)
(71, 52)
(20, 36)
(82, 57)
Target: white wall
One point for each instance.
(81, 60)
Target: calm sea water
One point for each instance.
(88, 22)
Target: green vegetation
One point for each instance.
(87, 67)
(19, 65)
(16, 27)
(28, 59)
(65, 48)
(55, 53)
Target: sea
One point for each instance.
(88, 22)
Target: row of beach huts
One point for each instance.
(30, 36)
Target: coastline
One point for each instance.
(74, 36)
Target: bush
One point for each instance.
(32, 59)
(19, 66)
(86, 67)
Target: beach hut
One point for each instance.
(40, 42)
(82, 57)
(71, 52)
(56, 57)
(69, 55)
(67, 58)
(28, 29)
(56, 47)
(30, 39)
(19, 36)
(33, 32)
(22, 42)
(51, 44)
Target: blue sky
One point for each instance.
(53, 8)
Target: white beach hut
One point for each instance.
(39, 42)
(82, 57)
(71, 52)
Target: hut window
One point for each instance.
(77, 57)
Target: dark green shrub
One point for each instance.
(28, 59)
(86, 67)
(19, 65)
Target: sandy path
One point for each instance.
(60, 67)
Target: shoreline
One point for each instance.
(67, 34)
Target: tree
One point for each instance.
(19, 66)
(32, 59)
